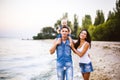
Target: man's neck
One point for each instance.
(64, 39)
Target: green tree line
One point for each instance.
(100, 30)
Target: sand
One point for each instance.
(105, 58)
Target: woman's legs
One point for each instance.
(86, 69)
(86, 75)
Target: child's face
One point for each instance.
(64, 23)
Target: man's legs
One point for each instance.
(69, 71)
(60, 71)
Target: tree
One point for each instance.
(46, 33)
(65, 16)
(111, 15)
(110, 30)
(99, 19)
(117, 21)
(117, 9)
(57, 24)
(75, 26)
(91, 29)
(86, 21)
(48, 30)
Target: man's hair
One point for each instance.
(66, 28)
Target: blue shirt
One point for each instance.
(64, 52)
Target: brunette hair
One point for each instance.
(66, 28)
(88, 39)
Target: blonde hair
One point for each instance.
(63, 21)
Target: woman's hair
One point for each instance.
(88, 39)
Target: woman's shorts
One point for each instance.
(86, 67)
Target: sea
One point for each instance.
(28, 60)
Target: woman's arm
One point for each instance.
(70, 39)
(80, 54)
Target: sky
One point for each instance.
(26, 18)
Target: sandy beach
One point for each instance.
(105, 58)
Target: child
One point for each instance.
(63, 23)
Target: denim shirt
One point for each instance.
(64, 52)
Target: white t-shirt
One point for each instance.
(85, 58)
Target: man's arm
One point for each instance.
(53, 48)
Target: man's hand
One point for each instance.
(58, 41)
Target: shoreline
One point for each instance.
(105, 57)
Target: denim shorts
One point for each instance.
(86, 67)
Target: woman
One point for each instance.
(81, 48)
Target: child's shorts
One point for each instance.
(86, 67)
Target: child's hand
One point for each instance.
(58, 30)
(70, 30)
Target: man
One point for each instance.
(64, 58)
